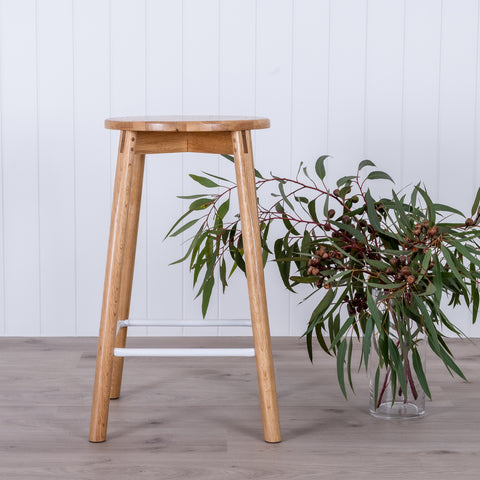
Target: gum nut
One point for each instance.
(325, 256)
(411, 279)
(346, 219)
(331, 213)
(336, 192)
(469, 222)
(315, 272)
(402, 258)
(310, 270)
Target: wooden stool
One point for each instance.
(146, 135)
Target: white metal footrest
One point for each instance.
(184, 352)
(183, 323)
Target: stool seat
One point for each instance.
(187, 123)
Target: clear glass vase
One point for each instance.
(388, 400)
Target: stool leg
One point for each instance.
(127, 271)
(242, 147)
(111, 292)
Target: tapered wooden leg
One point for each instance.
(242, 147)
(111, 292)
(127, 271)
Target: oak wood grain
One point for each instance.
(128, 268)
(247, 197)
(170, 142)
(187, 123)
(112, 286)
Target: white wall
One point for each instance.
(396, 82)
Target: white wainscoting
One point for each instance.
(396, 82)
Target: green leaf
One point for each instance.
(371, 212)
(427, 320)
(223, 274)
(367, 338)
(397, 361)
(286, 221)
(320, 166)
(463, 250)
(449, 363)
(374, 311)
(207, 292)
(453, 266)
(223, 209)
(206, 182)
(342, 350)
(430, 206)
(312, 211)
(417, 365)
(322, 307)
(476, 203)
(321, 339)
(184, 227)
(349, 364)
(283, 267)
(282, 193)
(365, 163)
(188, 212)
(200, 204)
(475, 296)
(228, 157)
(309, 346)
(190, 197)
(377, 381)
(378, 264)
(439, 207)
(343, 330)
(378, 175)
(308, 279)
(232, 159)
(358, 234)
(437, 279)
(344, 180)
(219, 178)
(400, 209)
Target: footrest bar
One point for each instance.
(183, 323)
(184, 352)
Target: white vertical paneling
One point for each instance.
(237, 97)
(309, 111)
(421, 90)
(127, 37)
(164, 172)
(20, 167)
(475, 329)
(2, 229)
(346, 127)
(384, 90)
(56, 161)
(274, 100)
(396, 82)
(456, 128)
(92, 156)
(200, 96)
(457, 102)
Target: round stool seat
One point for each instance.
(187, 123)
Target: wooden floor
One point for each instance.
(200, 418)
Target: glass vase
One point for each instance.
(388, 400)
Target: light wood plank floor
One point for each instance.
(200, 419)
